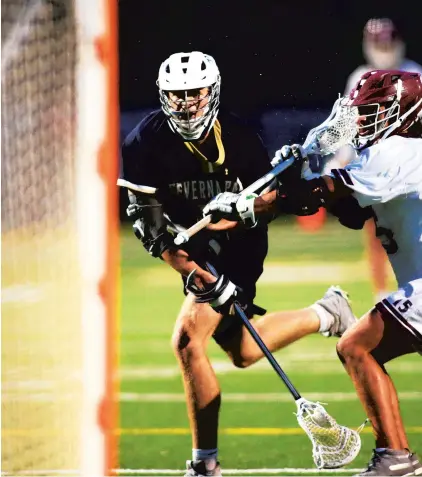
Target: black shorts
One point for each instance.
(239, 256)
(397, 339)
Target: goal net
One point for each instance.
(59, 223)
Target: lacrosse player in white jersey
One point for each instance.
(384, 181)
(383, 49)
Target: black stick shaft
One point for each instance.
(262, 346)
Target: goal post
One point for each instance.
(60, 246)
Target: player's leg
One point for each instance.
(378, 262)
(281, 329)
(331, 315)
(194, 327)
(369, 377)
(395, 409)
(376, 339)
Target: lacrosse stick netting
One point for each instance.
(336, 131)
(333, 445)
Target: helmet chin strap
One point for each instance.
(400, 120)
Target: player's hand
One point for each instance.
(133, 211)
(295, 150)
(222, 206)
(220, 295)
(299, 169)
(232, 207)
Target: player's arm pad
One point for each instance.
(150, 225)
(350, 213)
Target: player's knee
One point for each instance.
(241, 359)
(185, 345)
(348, 349)
(241, 362)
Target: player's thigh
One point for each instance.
(195, 322)
(363, 336)
(393, 328)
(405, 305)
(402, 315)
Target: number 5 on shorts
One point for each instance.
(404, 306)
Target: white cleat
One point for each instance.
(417, 464)
(336, 302)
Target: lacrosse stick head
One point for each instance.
(338, 130)
(333, 445)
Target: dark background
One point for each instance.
(294, 54)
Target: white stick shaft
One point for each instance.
(183, 237)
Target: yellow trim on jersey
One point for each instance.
(210, 166)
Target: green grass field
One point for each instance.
(258, 428)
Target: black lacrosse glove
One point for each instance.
(303, 198)
(220, 295)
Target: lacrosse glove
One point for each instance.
(235, 207)
(220, 295)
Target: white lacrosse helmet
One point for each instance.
(193, 113)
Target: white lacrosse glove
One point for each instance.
(299, 153)
(235, 207)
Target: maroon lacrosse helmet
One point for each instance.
(388, 102)
(380, 30)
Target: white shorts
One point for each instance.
(405, 305)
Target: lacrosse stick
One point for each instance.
(333, 445)
(184, 236)
(336, 131)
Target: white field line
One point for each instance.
(259, 397)
(293, 272)
(17, 386)
(250, 472)
(180, 397)
(318, 364)
(274, 272)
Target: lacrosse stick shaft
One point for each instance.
(262, 346)
(267, 353)
(184, 236)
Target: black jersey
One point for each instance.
(185, 176)
(182, 177)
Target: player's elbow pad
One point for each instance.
(155, 242)
(350, 213)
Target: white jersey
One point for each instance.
(406, 65)
(388, 177)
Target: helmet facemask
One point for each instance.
(191, 113)
(374, 119)
(388, 102)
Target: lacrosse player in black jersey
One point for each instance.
(173, 163)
